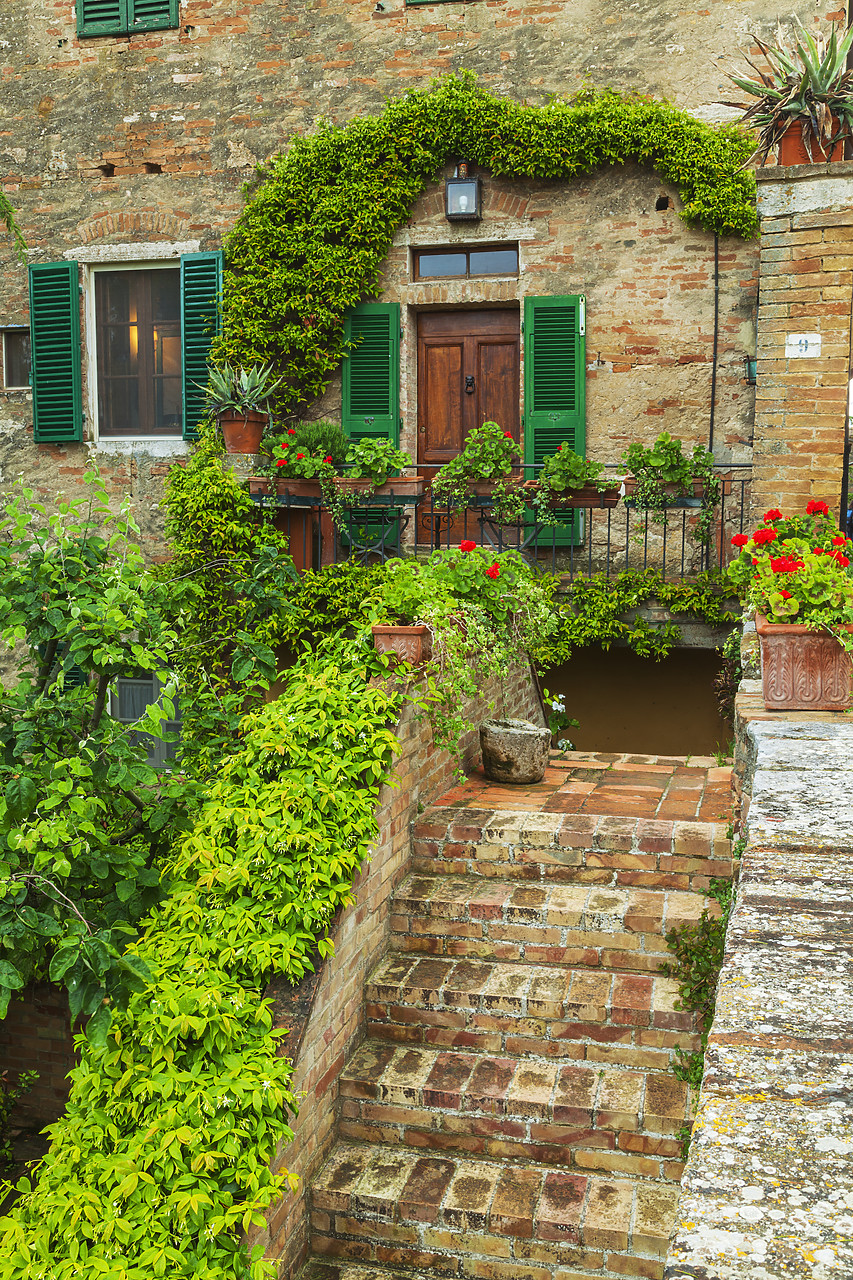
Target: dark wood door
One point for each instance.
(468, 374)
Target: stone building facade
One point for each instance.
(125, 141)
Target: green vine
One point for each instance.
(594, 613)
(7, 217)
(312, 238)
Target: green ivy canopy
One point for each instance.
(312, 238)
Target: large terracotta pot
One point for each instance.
(243, 431)
(587, 496)
(792, 150)
(408, 644)
(802, 670)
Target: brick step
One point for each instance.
(521, 1010)
(571, 848)
(314, 1269)
(561, 924)
(465, 1217)
(588, 1118)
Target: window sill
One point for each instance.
(157, 446)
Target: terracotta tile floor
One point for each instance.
(663, 787)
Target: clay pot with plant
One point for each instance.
(568, 480)
(484, 469)
(803, 105)
(239, 400)
(663, 475)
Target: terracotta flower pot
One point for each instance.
(298, 487)
(802, 670)
(791, 149)
(408, 644)
(243, 431)
(587, 496)
(404, 486)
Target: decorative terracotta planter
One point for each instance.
(403, 486)
(792, 150)
(243, 431)
(802, 670)
(408, 644)
(514, 751)
(298, 487)
(674, 492)
(587, 496)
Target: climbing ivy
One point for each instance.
(7, 217)
(313, 236)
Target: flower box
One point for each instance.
(407, 644)
(589, 495)
(397, 486)
(297, 487)
(802, 670)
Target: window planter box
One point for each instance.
(587, 496)
(408, 644)
(288, 488)
(802, 670)
(676, 497)
(397, 486)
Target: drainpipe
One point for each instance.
(716, 341)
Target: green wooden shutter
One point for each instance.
(201, 289)
(101, 17)
(371, 371)
(554, 391)
(152, 15)
(55, 342)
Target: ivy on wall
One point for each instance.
(312, 238)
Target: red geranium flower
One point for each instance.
(763, 535)
(559, 448)
(291, 431)
(842, 560)
(299, 455)
(281, 462)
(817, 509)
(840, 541)
(467, 545)
(740, 540)
(329, 459)
(786, 595)
(754, 561)
(818, 551)
(493, 571)
(284, 446)
(773, 514)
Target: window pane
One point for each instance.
(16, 358)
(494, 262)
(138, 322)
(442, 264)
(165, 297)
(132, 697)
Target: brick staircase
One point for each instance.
(511, 1114)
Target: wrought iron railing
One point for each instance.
(590, 539)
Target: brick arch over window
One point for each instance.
(156, 225)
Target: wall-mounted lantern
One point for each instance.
(462, 196)
(750, 371)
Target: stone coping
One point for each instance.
(768, 1188)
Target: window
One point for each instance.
(123, 17)
(16, 358)
(138, 338)
(129, 699)
(488, 260)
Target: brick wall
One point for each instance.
(336, 1021)
(806, 287)
(35, 1035)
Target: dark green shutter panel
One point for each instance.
(371, 371)
(101, 17)
(201, 289)
(152, 15)
(554, 370)
(55, 341)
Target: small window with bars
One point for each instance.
(130, 697)
(16, 358)
(124, 17)
(465, 263)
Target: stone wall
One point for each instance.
(768, 1187)
(330, 1023)
(35, 1035)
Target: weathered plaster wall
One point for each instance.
(767, 1191)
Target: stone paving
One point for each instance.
(512, 1114)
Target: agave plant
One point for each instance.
(240, 390)
(806, 82)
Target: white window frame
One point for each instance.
(158, 755)
(5, 330)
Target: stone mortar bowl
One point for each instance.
(514, 751)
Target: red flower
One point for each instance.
(840, 541)
(494, 571)
(740, 540)
(467, 545)
(507, 435)
(785, 564)
(559, 448)
(773, 514)
(281, 462)
(817, 509)
(754, 561)
(818, 551)
(299, 455)
(291, 431)
(763, 535)
(284, 446)
(842, 560)
(786, 595)
(329, 459)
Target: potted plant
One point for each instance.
(663, 475)
(484, 469)
(568, 480)
(804, 99)
(480, 612)
(796, 575)
(239, 398)
(370, 462)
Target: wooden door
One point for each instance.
(468, 374)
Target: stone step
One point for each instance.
(588, 1118)
(461, 1217)
(520, 1010)
(314, 1269)
(571, 848)
(575, 924)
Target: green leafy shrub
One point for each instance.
(10, 1096)
(665, 463)
(312, 239)
(375, 459)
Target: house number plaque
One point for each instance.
(802, 346)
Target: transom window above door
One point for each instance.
(138, 327)
(464, 263)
